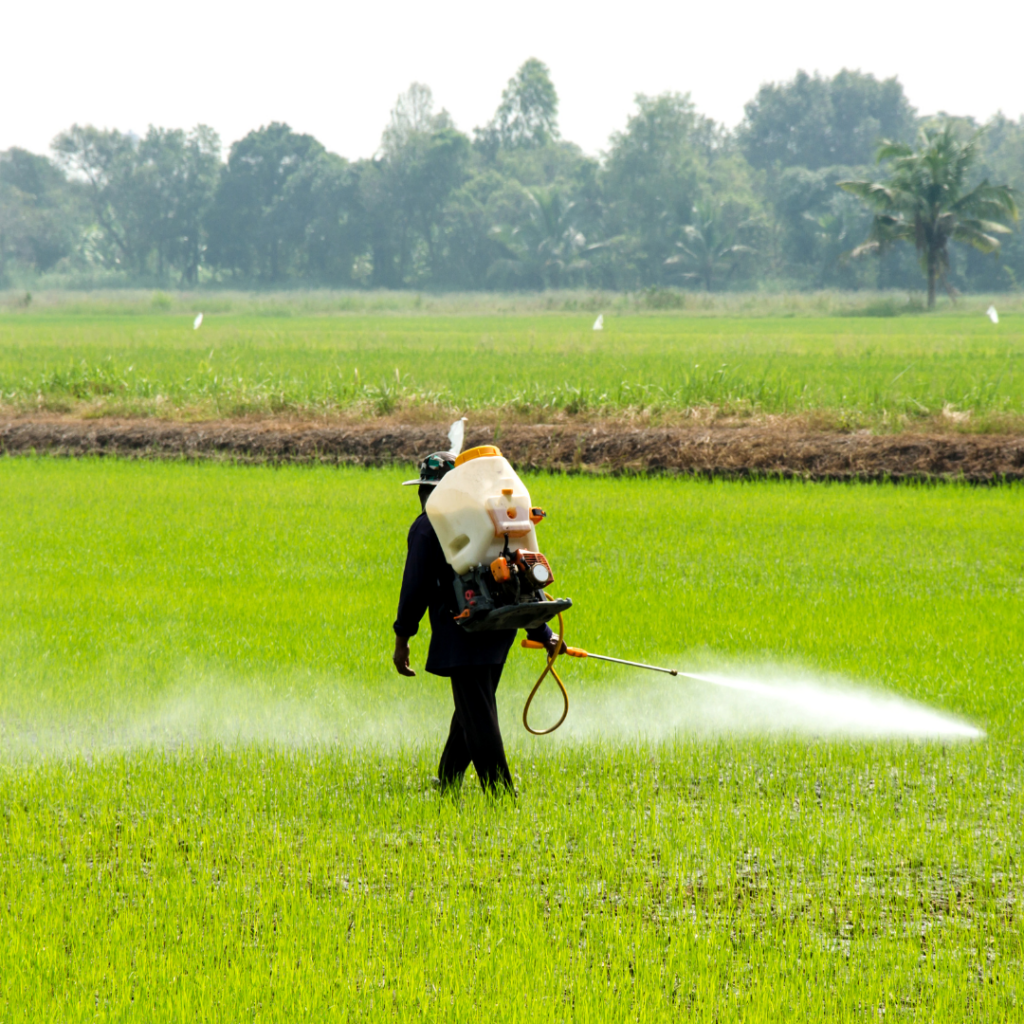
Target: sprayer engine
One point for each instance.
(507, 594)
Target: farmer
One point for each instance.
(473, 661)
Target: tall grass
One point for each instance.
(112, 301)
(855, 372)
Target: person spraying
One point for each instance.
(472, 564)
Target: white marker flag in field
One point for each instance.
(599, 323)
(197, 323)
(992, 314)
(456, 436)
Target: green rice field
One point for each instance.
(214, 789)
(884, 373)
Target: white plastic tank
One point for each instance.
(475, 505)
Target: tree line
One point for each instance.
(677, 200)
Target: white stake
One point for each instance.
(456, 435)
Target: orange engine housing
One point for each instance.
(531, 563)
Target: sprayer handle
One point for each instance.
(573, 652)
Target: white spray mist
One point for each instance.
(769, 700)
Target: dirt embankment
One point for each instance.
(785, 450)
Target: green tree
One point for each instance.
(41, 215)
(106, 160)
(654, 174)
(926, 200)
(423, 160)
(809, 215)
(177, 177)
(1001, 159)
(432, 168)
(252, 222)
(323, 229)
(817, 122)
(527, 117)
(469, 244)
(412, 115)
(149, 196)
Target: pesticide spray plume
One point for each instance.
(209, 709)
(769, 700)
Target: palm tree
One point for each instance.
(545, 248)
(925, 201)
(832, 231)
(710, 247)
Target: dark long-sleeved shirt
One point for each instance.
(427, 585)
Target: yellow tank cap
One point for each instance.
(483, 451)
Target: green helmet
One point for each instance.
(433, 468)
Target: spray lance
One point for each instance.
(578, 652)
(575, 652)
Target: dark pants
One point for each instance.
(474, 734)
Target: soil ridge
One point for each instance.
(714, 451)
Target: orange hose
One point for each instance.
(550, 667)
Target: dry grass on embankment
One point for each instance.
(778, 447)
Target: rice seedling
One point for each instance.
(214, 796)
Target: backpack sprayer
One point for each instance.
(486, 525)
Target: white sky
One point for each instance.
(334, 70)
